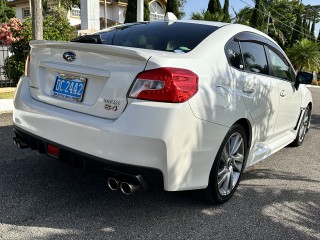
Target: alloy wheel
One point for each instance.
(231, 163)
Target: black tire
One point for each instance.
(303, 128)
(219, 191)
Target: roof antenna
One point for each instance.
(170, 17)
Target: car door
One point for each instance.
(260, 90)
(290, 97)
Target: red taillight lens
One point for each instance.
(27, 66)
(173, 85)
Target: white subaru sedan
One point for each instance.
(178, 105)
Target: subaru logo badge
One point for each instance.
(69, 56)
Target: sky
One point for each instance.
(198, 5)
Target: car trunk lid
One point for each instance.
(104, 72)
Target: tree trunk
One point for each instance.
(37, 20)
(105, 14)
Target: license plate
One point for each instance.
(69, 87)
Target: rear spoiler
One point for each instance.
(95, 48)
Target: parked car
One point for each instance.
(179, 105)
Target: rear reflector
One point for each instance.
(174, 85)
(53, 150)
(27, 66)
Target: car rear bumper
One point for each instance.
(165, 137)
(153, 177)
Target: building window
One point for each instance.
(156, 11)
(75, 11)
(25, 12)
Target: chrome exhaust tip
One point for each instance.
(128, 188)
(113, 184)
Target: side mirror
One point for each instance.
(303, 78)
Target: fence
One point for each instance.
(4, 54)
(12, 61)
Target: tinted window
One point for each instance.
(174, 37)
(234, 54)
(280, 66)
(254, 57)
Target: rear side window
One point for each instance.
(254, 56)
(234, 55)
(172, 37)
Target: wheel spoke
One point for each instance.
(306, 117)
(230, 186)
(225, 185)
(222, 172)
(238, 157)
(237, 142)
(225, 155)
(223, 179)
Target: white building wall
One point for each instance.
(114, 12)
(19, 10)
(73, 20)
(121, 14)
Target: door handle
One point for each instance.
(282, 93)
(248, 90)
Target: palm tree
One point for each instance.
(305, 55)
(243, 16)
(207, 16)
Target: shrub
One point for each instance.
(13, 68)
(10, 32)
(56, 26)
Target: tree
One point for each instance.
(313, 37)
(56, 26)
(131, 12)
(181, 8)
(318, 39)
(67, 4)
(173, 6)
(5, 12)
(214, 6)
(297, 31)
(37, 20)
(226, 15)
(207, 16)
(305, 55)
(257, 18)
(243, 16)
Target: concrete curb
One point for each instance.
(312, 86)
(6, 106)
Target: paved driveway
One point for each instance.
(41, 198)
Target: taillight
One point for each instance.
(27, 66)
(173, 85)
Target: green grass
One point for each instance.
(6, 94)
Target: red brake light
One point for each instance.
(173, 85)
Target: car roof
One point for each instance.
(202, 22)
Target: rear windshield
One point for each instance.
(163, 36)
